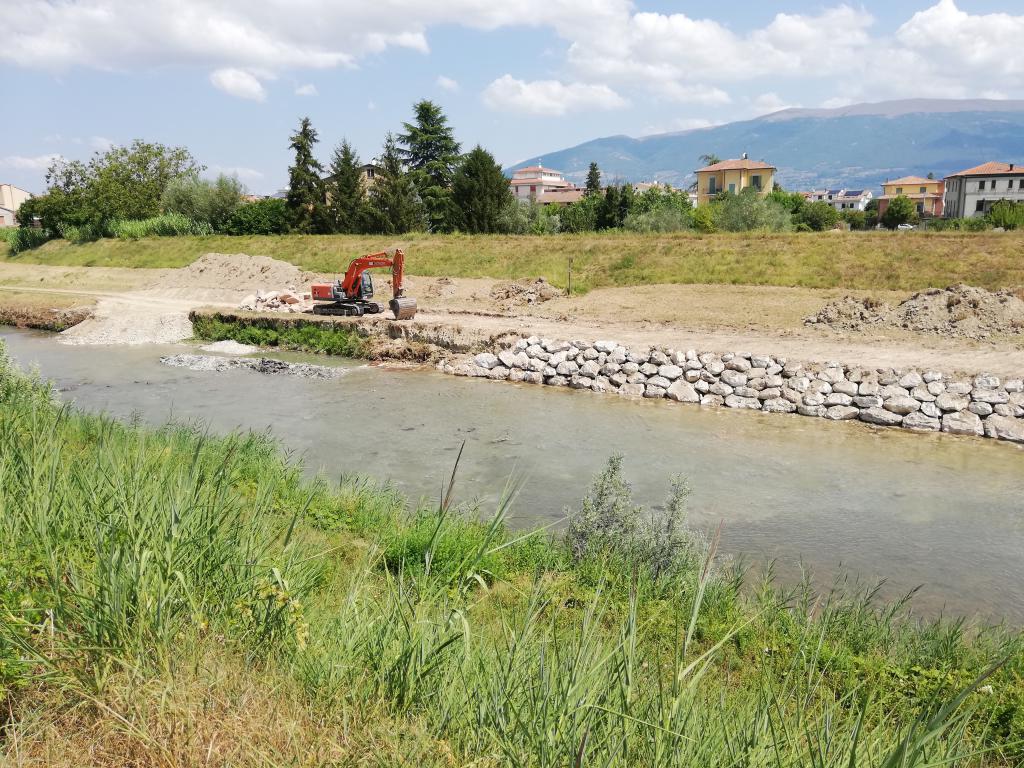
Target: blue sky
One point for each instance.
(230, 79)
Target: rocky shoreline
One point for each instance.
(920, 401)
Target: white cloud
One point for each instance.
(306, 90)
(548, 97)
(241, 172)
(836, 101)
(238, 82)
(22, 163)
(770, 102)
(100, 143)
(447, 83)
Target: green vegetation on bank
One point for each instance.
(282, 332)
(904, 261)
(154, 582)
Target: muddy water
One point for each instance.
(946, 513)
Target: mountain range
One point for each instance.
(860, 145)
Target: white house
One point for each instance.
(974, 191)
(841, 199)
(533, 182)
(11, 198)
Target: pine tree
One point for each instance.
(594, 180)
(608, 211)
(305, 199)
(480, 192)
(395, 206)
(346, 195)
(431, 153)
(626, 204)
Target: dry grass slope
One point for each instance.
(902, 261)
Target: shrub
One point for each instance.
(748, 211)
(167, 225)
(659, 220)
(819, 216)
(25, 238)
(855, 219)
(899, 211)
(609, 525)
(263, 217)
(529, 218)
(1006, 214)
(198, 199)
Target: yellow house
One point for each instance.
(926, 194)
(734, 176)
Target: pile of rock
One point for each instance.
(921, 401)
(287, 300)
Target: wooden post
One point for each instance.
(568, 286)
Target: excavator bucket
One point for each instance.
(404, 309)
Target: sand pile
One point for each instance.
(221, 277)
(522, 292)
(959, 311)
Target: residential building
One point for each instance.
(734, 176)
(11, 198)
(534, 182)
(368, 174)
(974, 191)
(841, 199)
(925, 194)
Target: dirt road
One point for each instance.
(140, 306)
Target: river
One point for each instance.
(944, 513)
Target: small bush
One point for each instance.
(25, 238)
(1006, 214)
(609, 525)
(659, 220)
(263, 217)
(212, 202)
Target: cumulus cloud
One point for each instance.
(22, 163)
(306, 90)
(770, 102)
(447, 83)
(238, 82)
(548, 97)
(610, 47)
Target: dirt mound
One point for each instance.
(961, 311)
(220, 276)
(522, 292)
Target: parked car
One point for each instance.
(905, 226)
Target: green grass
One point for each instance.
(282, 332)
(905, 261)
(171, 596)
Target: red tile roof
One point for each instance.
(912, 180)
(538, 169)
(990, 169)
(737, 165)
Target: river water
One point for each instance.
(945, 513)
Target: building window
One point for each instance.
(981, 186)
(979, 206)
(1009, 184)
(369, 173)
(922, 190)
(712, 186)
(732, 188)
(755, 182)
(920, 208)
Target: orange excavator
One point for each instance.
(351, 295)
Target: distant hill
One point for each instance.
(860, 145)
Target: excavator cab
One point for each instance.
(366, 286)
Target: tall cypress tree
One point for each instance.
(608, 210)
(480, 192)
(346, 195)
(431, 152)
(593, 180)
(305, 199)
(395, 205)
